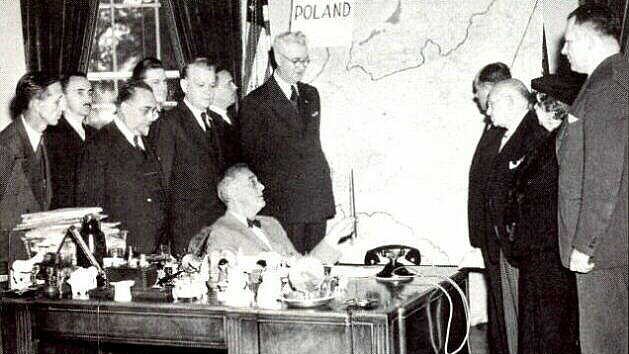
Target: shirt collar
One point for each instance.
(196, 113)
(222, 112)
(128, 134)
(240, 218)
(284, 86)
(76, 122)
(33, 135)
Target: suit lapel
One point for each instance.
(518, 143)
(283, 107)
(29, 158)
(48, 196)
(191, 127)
(307, 113)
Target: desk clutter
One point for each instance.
(74, 254)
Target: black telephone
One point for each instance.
(396, 255)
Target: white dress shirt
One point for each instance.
(34, 137)
(128, 134)
(285, 86)
(221, 112)
(76, 122)
(256, 230)
(196, 113)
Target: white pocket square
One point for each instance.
(572, 119)
(516, 163)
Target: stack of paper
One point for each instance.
(44, 231)
(63, 216)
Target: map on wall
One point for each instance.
(398, 110)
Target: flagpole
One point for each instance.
(290, 20)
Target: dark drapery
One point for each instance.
(207, 28)
(58, 34)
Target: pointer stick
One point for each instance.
(352, 204)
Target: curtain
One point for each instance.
(58, 34)
(206, 28)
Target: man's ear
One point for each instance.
(183, 83)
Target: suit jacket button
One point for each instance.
(149, 200)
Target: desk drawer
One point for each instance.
(155, 327)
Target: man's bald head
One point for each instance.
(513, 88)
(508, 101)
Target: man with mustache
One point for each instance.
(120, 171)
(67, 139)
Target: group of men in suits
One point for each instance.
(156, 170)
(591, 151)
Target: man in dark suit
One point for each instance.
(509, 106)
(592, 153)
(481, 237)
(25, 185)
(189, 148)
(120, 172)
(67, 139)
(222, 110)
(280, 141)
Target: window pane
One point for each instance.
(131, 2)
(135, 31)
(101, 58)
(104, 91)
(103, 109)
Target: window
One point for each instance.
(126, 32)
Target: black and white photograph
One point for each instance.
(314, 176)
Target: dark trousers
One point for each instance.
(305, 236)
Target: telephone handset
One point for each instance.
(397, 256)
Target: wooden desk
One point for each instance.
(411, 318)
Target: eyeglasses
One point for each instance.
(295, 61)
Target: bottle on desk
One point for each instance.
(94, 239)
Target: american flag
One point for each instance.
(257, 67)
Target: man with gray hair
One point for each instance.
(280, 141)
(241, 230)
(509, 106)
(592, 155)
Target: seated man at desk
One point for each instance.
(242, 230)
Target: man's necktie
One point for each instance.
(136, 141)
(294, 97)
(206, 122)
(252, 223)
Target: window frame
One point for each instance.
(115, 75)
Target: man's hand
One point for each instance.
(339, 230)
(580, 262)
